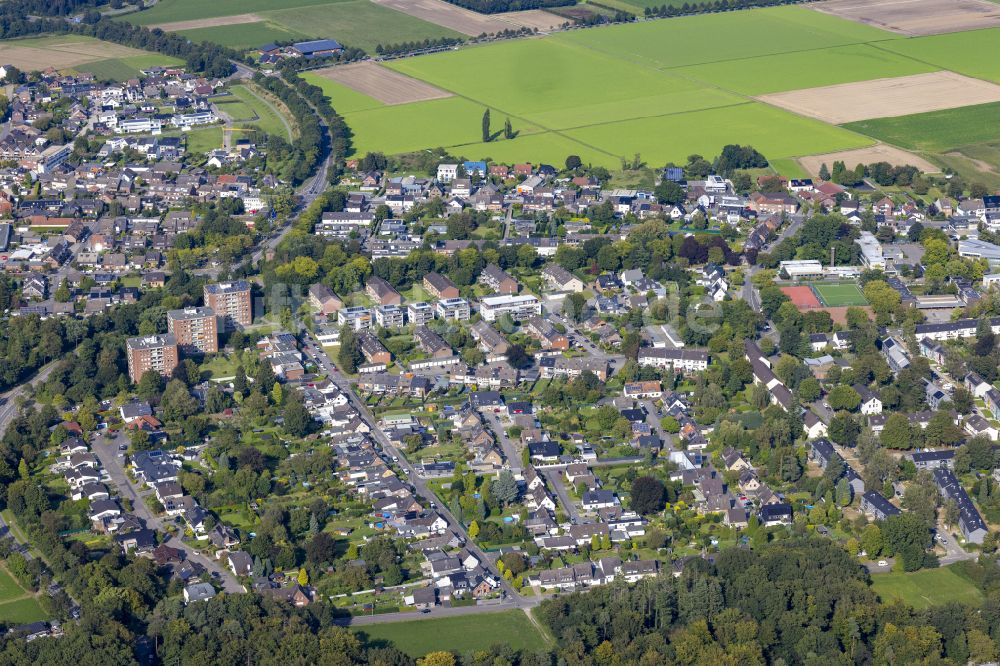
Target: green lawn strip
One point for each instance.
(22, 611)
(269, 116)
(925, 588)
(461, 634)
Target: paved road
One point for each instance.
(107, 452)
(8, 400)
(554, 479)
(511, 450)
(653, 421)
(953, 551)
(420, 485)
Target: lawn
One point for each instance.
(269, 118)
(809, 69)
(926, 588)
(204, 140)
(936, 131)
(461, 634)
(839, 295)
(974, 53)
(9, 588)
(121, 69)
(694, 40)
(22, 611)
(236, 110)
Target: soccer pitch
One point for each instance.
(839, 295)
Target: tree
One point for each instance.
(648, 495)
(872, 541)
(486, 126)
(669, 192)
(473, 529)
(508, 131)
(809, 389)
(897, 433)
(824, 171)
(303, 577)
(942, 431)
(178, 403)
(298, 421)
(439, 658)
(573, 162)
(843, 397)
(907, 536)
(504, 488)
(62, 294)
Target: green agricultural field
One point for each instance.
(773, 132)
(936, 131)
(705, 38)
(358, 23)
(270, 119)
(575, 87)
(840, 295)
(809, 69)
(169, 11)
(244, 35)
(460, 634)
(974, 53)
(343, 99)
(926, 588)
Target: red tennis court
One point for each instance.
(801, 297)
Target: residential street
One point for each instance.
(419, 485)
(107, 452)
(511, 450)
(554, 478)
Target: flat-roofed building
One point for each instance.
(231, 302)
(419, 313)
(152, 352)
(358, 316)
(519, 308)
(196, 329)
(390, 316)
(456, 309)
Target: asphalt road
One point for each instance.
(507, 445)
(8, 400)
(420, 485)
(107, 452)
(554, 479)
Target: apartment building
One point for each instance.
(519, 308)
(498, 280)
(231, 302)
(439, 286)
(358, 316)
(454, 308)
(686, 360)
(419, 313)
(196, 329)
(390, 316)
(152, 352)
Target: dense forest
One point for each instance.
(797, 601)
(498, 6)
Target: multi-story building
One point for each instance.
(454, 308)
(439, 286)
(196, 329)
(373, 349)
(382, 292)
(677, 359)
(152, 352)
(322, 298)
(231, 302)
(390, 316)
(543, 331)
(518, 307)
(419, 313)
(359, 317)
(498, 280)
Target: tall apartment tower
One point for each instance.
(196, 329)
(232, 304)
(151, 352)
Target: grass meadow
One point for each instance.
(460, 634)
(244, 35)
(974, 53)
(169, 11)
(268, 118)
(343, 99)
(17, 605)
(928, 587)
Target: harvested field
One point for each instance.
(215, 22)
(37, 54)
(916, 17)
(802, 297)
(385, 85)
(535, 18)
(449, 16)
(880, 153)
(884, 98)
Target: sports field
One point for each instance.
(840, 295)
(460, 634)
(801, 297)
(921, 589)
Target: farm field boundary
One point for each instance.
(916, 17)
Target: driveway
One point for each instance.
(511, 450)
(554, 479)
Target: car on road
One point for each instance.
(883, 563)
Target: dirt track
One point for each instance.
(215, 22)
(879, 153)
(385, 85)
(884, 98)
(916, 17)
